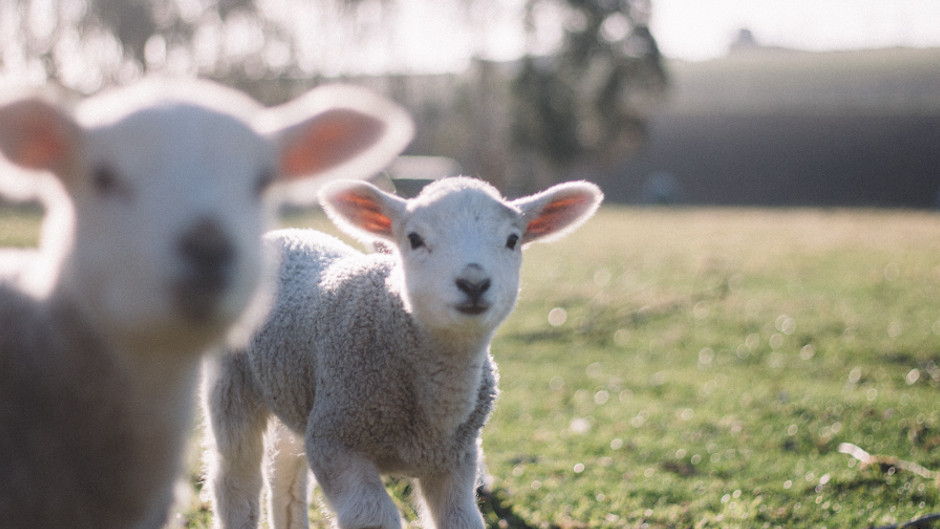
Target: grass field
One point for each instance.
(709, 364)
(701, 367)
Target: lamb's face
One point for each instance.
(461, 256)
(168, 217)
(460, 243)
(166, 182)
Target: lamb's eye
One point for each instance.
(265, 178)
(415, 240)
(106, 181)
(512, 241)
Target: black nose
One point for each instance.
(206, 248)
(207, 255)
(473, 289)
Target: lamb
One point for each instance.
(380, 362)
(151, 255)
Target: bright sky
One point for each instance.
(698, 29)
(442, 35)
(436, 38)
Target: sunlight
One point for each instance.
(422, 36)
(703, 30)
(441, 36)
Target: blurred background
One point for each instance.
(725, 102)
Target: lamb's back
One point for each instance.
(334, 307)
(340, 349)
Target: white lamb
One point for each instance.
(153, 255)
(381, 362)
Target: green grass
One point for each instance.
(19, 225)
(711, 362)
(700, 367)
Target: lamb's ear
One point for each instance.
(558, 210)
(36, 134)
(361, 209)
(336, 131)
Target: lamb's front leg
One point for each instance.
(237, 421)
(450, 499)
(287, 478)
(352, 486)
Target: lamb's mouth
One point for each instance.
(199, 297)
(473, 309)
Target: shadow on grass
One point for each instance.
(604, 318)
(927, 522)
(498, 512)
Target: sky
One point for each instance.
(687, 29)
(699, 29)
(429, 36)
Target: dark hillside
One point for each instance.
(840, 160)
(896, 81)
(832, 129)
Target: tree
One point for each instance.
(85, 45)
(591, 97)
(582, 100)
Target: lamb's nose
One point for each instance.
(473, 283)
(208, 256)
(473, 289)
(206, 248)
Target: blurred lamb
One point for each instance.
(381, 362)
(152, 254)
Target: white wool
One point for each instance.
(380, 363)
(150, 256)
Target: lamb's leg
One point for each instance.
(237, 420)
(287, 478)
(450, 500)
(352, 487)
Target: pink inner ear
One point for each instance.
(37, 137)
(48, 148)
(556, 215)
(363, 212)
(330, 139)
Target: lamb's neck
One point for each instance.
(157, 385)
(448, 377)
(162, 397)
(456, 349)
(154, 368)
(149, 396)
(165, 383)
